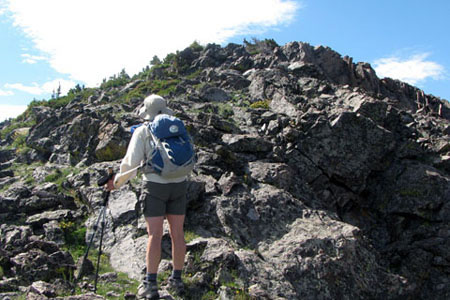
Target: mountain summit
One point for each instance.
(315, 179)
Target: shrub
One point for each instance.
(116, 80)
(74, 237)
(169, 59)
(258, 46)
(196, 46)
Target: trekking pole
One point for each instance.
(86, 253)
(102, 182)
(102, 224)
(101, 217)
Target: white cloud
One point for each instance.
(46, 88)
(413, 69)
(11, 111)
(34, 89)
(32, 59)
(6, 93)
(92, 40)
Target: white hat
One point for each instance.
(154, 105)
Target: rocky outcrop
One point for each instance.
(315, 179)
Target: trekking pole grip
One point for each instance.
(102, 181)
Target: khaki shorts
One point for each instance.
(164, 199)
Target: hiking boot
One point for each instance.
(148, 290)
(176, 285)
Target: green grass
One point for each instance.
(25, 172)
(225, 110)
(19, 138)
(164, 87)
(119, 287)
(239, 293)
(76, 246)
(209, 296)
(264, 104)
(194, 75)
(20, 297)
(16, 124)
(157, 86)
(59, 176)
(136, 180)
(20, 144)
(74, 235)
(163, 276)
(189, 236)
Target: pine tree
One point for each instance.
(155, 61)
(58, 91)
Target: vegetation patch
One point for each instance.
(225, 110)
(74, 237)
(164, 87)
(189, 236)
(20, 141)
(57, 176)
(196, 46)
(411, 193)
(264, 104)
(160, 87)
(75, 243)
(114, 81)
(257, 46)
(16, 124)
(236, 288)
(25, 172)
(119, 287)
(209, 296)
(194, 74)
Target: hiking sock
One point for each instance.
(176, 274)
(151, 277)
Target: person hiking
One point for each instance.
(162, 198)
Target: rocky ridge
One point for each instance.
(315, 180)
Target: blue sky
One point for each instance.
(46, 43)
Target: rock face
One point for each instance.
(315, 179)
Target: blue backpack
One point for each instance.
(173, 153)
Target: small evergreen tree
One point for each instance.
(123, 74)
(58, 91)
(155, 61)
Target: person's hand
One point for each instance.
(110, 184)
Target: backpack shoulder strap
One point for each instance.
(152, 144)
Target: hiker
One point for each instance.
(162, 197)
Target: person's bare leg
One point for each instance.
(176, 223)
(155, 233)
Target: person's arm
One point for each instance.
(133, 158)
